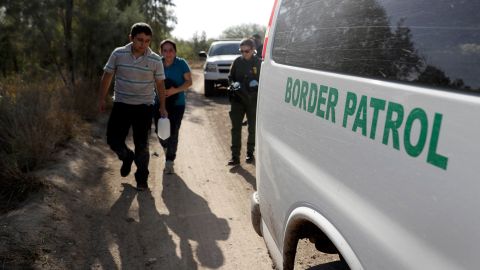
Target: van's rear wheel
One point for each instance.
(209, 88)
(255, 214)
(307, 255)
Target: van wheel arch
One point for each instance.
(300, 229)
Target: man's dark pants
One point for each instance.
(139, 118)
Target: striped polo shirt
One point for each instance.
(134, 77)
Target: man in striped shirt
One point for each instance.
(138, 72)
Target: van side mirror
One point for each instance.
(202, 54)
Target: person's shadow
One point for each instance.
(191, 219)
(159, 247)
(144, 243)
(115, 230)
(246, 175)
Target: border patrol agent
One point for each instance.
(245, 72)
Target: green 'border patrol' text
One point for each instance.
(323, 100)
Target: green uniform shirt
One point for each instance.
(244, 71)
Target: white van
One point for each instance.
(368, 133)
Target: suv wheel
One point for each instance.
(209, 88)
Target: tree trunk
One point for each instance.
(67, 30)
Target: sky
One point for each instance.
(214, 16)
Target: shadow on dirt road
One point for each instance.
(193, 220)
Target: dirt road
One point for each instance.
(197, 218)
(88, 217)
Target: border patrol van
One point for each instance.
(368, 133)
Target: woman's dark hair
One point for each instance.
(165, 41)
(139, 28)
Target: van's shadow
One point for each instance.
(336, 265)
(191, 219)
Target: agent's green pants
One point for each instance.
(239, 108)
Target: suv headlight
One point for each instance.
(210, 67)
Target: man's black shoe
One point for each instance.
(250, 158)
(233, 162)
(127, 165)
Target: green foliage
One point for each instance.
(99, 28)
(44, 46)
(52, 55)
(34, 34)
(157, 15)
(190, 49)
(243, 31)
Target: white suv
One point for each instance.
(219, 58)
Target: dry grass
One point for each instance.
(196, 64)
(34, 120)
(85, 98)
(17, 257)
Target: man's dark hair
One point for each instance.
(170, 42)
(248, 42)
(139, 28)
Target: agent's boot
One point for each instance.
(234, 161)
(168, 167)
(250, 158)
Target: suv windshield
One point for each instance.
(224, 49)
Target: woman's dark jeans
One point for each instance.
(175, 115)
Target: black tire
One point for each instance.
(209, 88)
(255, 214)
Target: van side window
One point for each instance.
(434, 43)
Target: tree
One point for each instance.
(200, 43)
(67, 32)
(100, 28)
(434, 76)
(404, 57)
(72, 38)
(157, 15)
(243, 31)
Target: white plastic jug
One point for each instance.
(163, 127)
